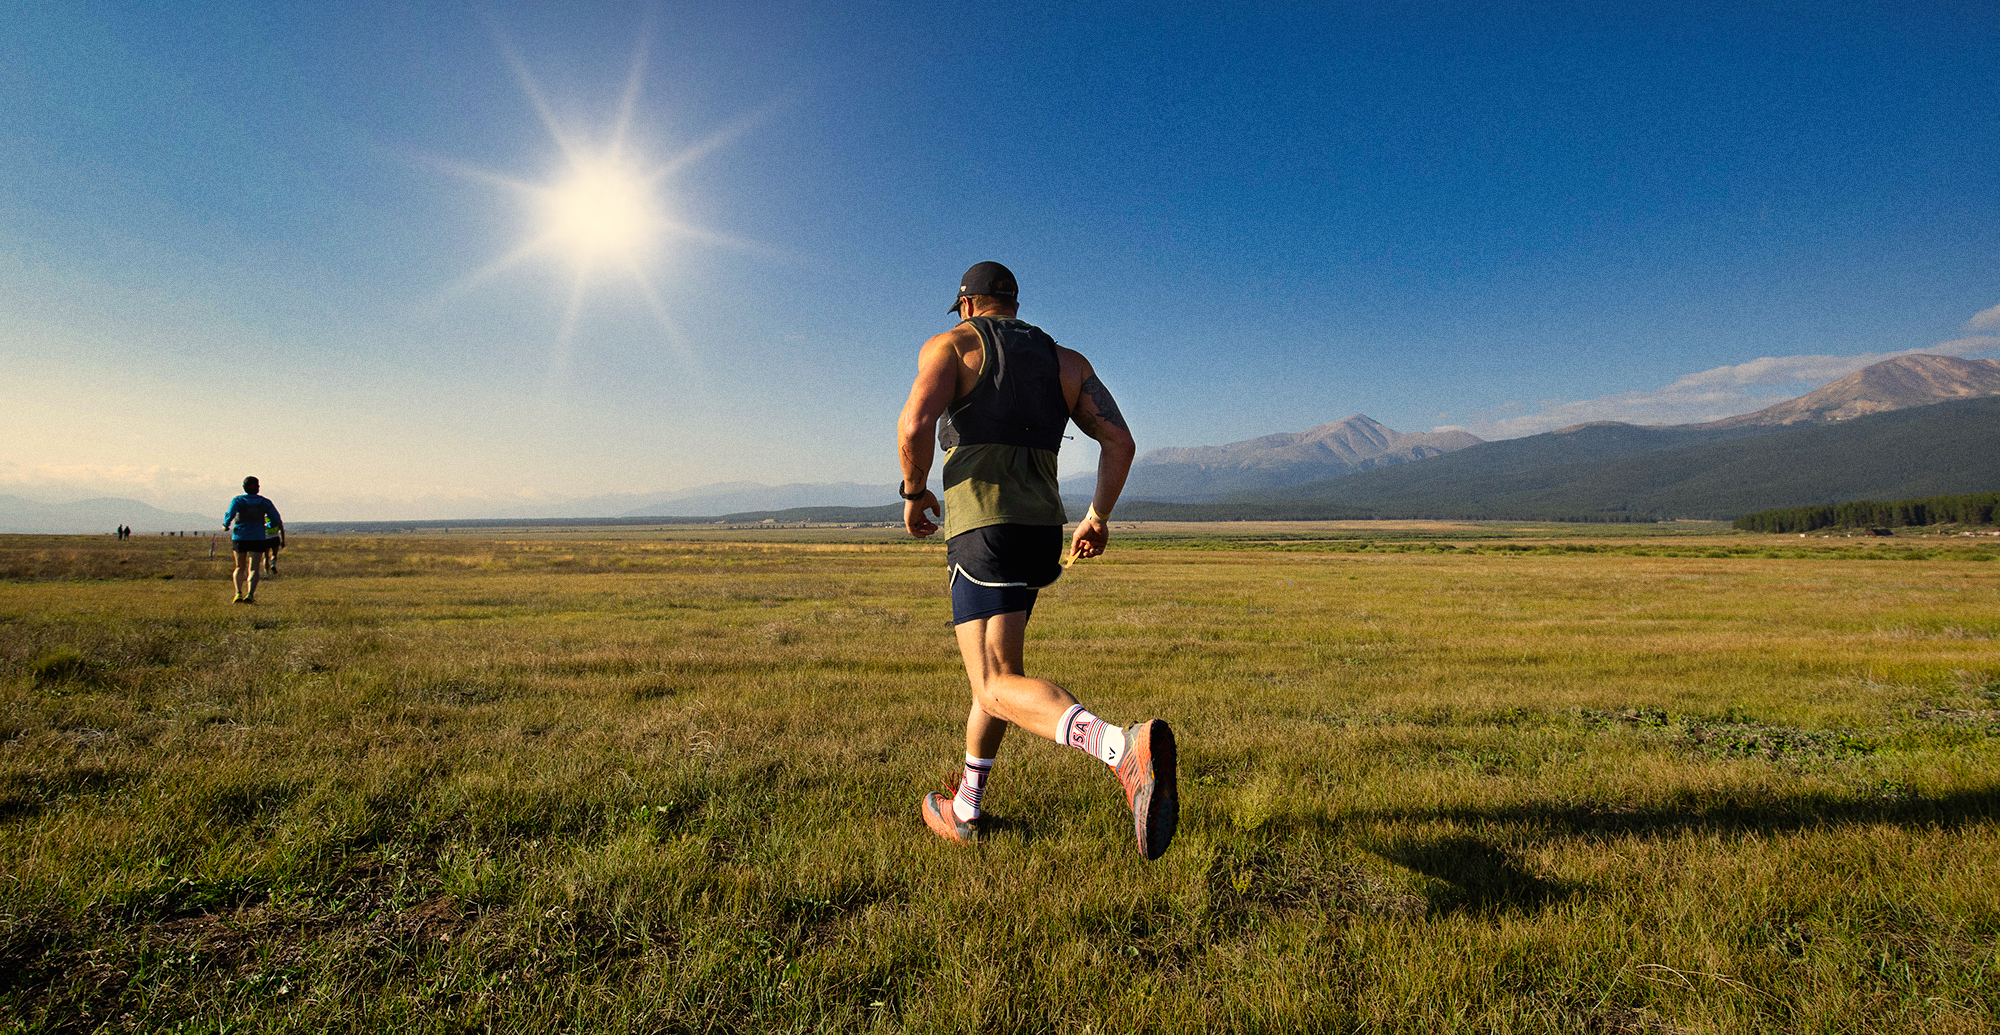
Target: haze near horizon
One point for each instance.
(440, 261)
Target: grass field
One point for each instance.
(1434, 778)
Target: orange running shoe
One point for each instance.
(1147, 772)
(942, 820)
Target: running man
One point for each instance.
(1006, 391)
(249, 513)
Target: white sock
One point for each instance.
(971, 784)
(1093, 736)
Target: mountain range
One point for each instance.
(1605, 470)
(1905, 427)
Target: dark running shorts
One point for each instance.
(997, 569)
(253, 545)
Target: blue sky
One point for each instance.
(256, 238)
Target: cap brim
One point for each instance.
(955, 303)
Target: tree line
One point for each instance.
(1973, 509)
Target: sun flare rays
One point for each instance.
(603, 216)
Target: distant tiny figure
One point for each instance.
(253, 517)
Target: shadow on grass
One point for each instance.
(1772, 813)
(1478, 877)
(1481, 877)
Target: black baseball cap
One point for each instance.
(987, 278)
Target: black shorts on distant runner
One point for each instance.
(253, 545)
(998, 569)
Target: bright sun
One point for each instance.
(604, 212)
(601, 214)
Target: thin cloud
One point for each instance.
(1710, 394)
(1984, 320)
(1678, 403)
(1972, 346)
(1784, 370)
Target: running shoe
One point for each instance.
(939, 816)
(1147, 772)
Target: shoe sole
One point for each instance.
(1156, 806)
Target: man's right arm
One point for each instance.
(916, 430)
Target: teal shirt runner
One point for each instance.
(247, 516)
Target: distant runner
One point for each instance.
(274, 540)
(1005, 391)
(249, 513)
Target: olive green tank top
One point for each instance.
(994, 484)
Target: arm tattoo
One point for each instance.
(1107, 407)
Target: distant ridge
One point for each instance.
(717, 498)
(1198, 473)
(822, 515)
(98, 515)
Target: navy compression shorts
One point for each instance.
(999, 569)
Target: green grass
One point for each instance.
(638, 783)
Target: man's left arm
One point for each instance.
(1096, 414)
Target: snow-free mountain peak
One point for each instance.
(1893, 384)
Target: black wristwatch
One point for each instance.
(912, 497)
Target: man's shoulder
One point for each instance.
(960, 338)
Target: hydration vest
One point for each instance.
(1018, 399)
